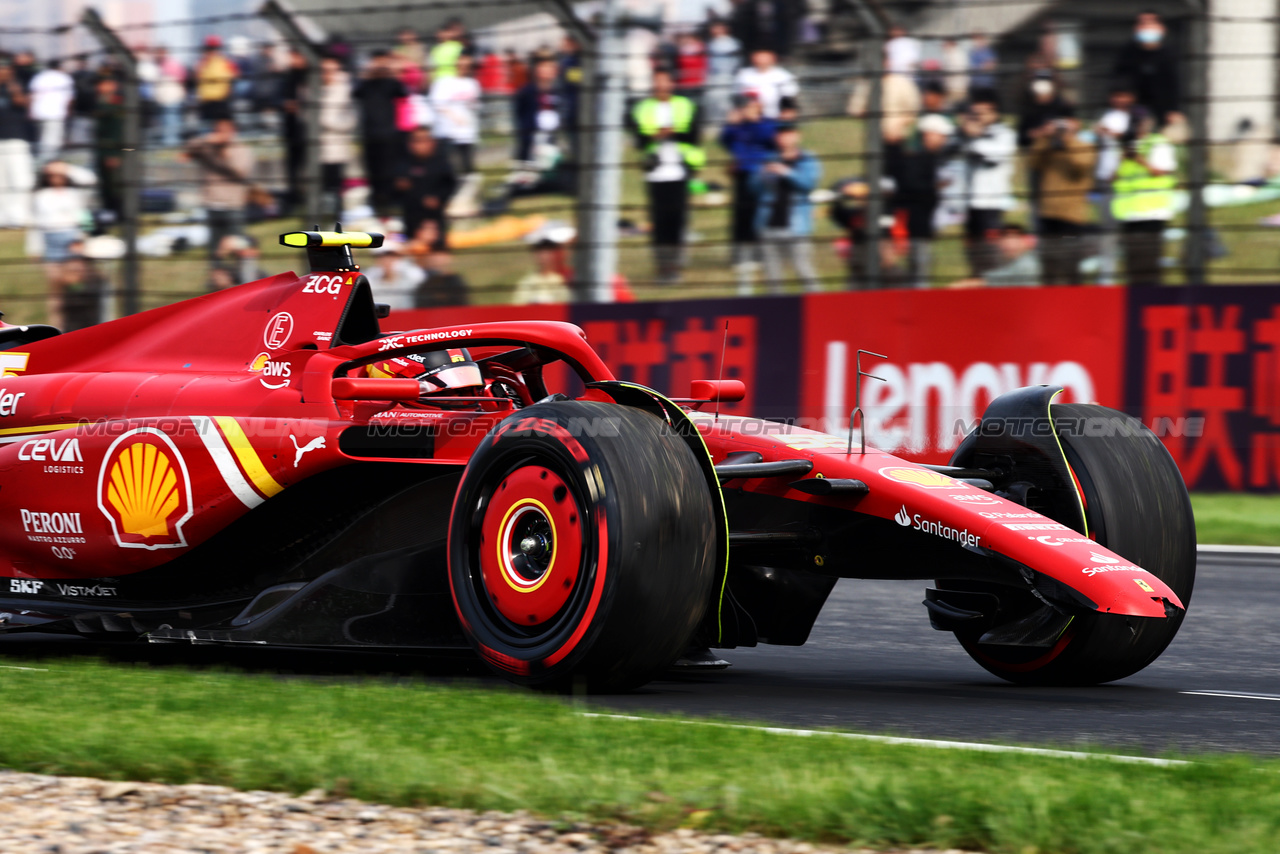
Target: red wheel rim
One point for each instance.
(530, 546)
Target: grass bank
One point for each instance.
(410, 743)
(1237, 519)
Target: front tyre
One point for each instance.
(581, 546)
(1136, 504)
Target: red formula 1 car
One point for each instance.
(266, 465)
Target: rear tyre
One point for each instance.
(1137, 506)
(581, 547)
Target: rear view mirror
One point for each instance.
(724, 391)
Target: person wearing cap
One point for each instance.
(667, 131)
(1143, 204)
(750, 139)
(215, 78)
(785, 215)
(1065, 163)
(914, 167)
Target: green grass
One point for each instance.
(416, 743)
(1237, 519)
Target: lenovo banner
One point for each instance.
(948, 354)
(1203, 371)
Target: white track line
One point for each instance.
(914, 742)
(1235, 695)
(1211, 548)
(16, 667)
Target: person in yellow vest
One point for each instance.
(1143, 202)
(443, 58)
(667, 130)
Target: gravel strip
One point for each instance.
(76, 815)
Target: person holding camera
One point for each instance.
(1144, 199)
(1065, 163)
(1043, 107)
(750, 139)
(988, 148)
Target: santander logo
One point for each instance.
(1097, 558)
(902, 517)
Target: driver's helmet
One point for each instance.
(439, 372)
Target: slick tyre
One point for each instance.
(581, 547)
(1137, 506)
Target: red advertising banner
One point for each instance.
(1204, 372)
(951, 352)
(667, 345)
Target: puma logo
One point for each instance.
(317, 442)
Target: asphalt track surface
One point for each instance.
(874, 665)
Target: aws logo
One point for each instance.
(274, 374)
(144, 490)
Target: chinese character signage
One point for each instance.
(1203, 371)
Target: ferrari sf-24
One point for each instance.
(267, 466)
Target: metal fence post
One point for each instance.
(1196, 256)
(130, 157)
(873, 19)
(287, 25)
(605, 159)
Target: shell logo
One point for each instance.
(259, 362)
(920, 477)
(144, 490)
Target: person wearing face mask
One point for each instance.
(1043, 108)
(1151, 65)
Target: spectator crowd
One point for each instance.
(1041, 192)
